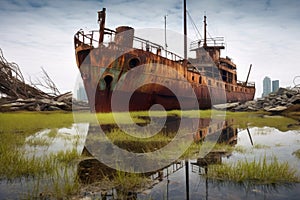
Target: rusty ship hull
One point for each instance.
(102, 69)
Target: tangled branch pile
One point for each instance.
(18, 95)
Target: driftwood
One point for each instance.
(18, 95)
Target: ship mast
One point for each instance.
(185, 29)
(205, 44)
(185, 71)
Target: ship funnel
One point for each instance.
(124, 36)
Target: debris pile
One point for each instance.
(274, 102)
(278, 101)
(18, 95)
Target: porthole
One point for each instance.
(133, 62)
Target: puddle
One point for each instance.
(181, 178)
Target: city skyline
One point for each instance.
(266, 86)
(275, 85)
(269, 86)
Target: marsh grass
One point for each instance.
(240, 149)
(258, 119)
(129, 181)
(66, 157)
(136, 144)
(23, 122)
(297, 153)
(243, 119)
(118, 135)
(17, 130)
(53, 174)
(278, 145)
(14, 165)
(38, 141)
(31, 122)
(257, 172)
(52, 133)
(196, 149)
(261, 146)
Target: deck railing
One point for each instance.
(217, 41)
(248, 84)
(81, 38)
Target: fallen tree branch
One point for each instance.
(19, 95)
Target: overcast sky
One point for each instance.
(265, 33)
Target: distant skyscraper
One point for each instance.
(81, 94)
(266, 86)
(275, 85)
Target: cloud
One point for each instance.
(264, 33)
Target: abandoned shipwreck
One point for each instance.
(129, 73)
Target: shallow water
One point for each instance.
(281, 144)
(172, 181)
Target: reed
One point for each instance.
(257, 171)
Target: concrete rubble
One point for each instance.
(278, 101)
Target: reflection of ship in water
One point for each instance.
(90, 170)
(217, 130)
(228, 136)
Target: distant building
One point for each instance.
(81, 94)
(266, 86)
(275, 85)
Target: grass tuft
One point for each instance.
(257, 171)
(297, 153)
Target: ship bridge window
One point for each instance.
(224, 75)
(133, 62)
(230, 77)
